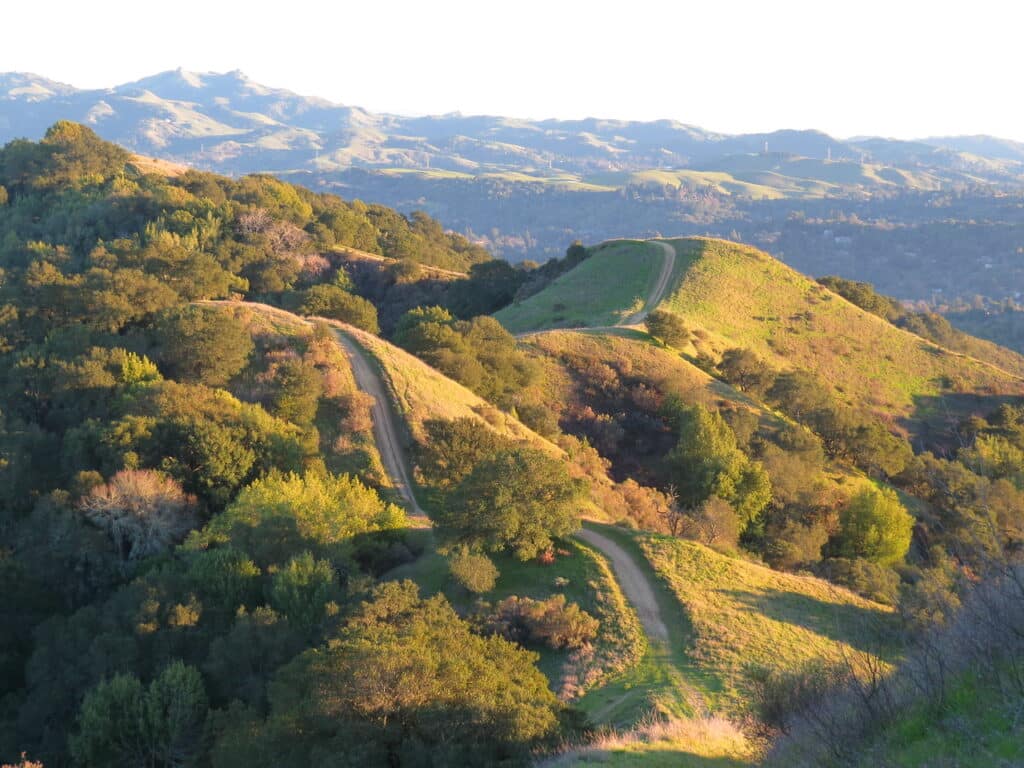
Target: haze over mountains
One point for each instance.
(229, 123)
(936, 221)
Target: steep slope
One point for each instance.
(741, 297)
(745, 615)
(732, 295)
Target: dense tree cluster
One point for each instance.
(479, 353)
(173, 542)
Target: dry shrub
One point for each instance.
(23, 763)
(713, 523)
(710, 736)
(553, 622)
(143, 511)
(859, 698)
(359, 412)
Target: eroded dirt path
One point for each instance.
(634, 583)
(658, 293)
(385, 429)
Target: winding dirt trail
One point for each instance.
(660, 287)
(635, 585)
(385, 431)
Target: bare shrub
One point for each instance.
(143, 511)
(985, 638)
(713, 523)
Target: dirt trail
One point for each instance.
(635, 585)
(385, 431)
(660, 287)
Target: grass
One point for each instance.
(743, 614)
(742, 297)
(733, 295)
(588, 581)
(607, 287)
(977, 727)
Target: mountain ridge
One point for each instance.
(211, 109)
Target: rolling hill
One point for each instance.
(736, 296)
(228, 122)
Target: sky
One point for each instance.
(901, 68)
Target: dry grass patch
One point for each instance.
(656, 743)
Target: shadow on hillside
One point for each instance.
(934, 421)
(857, 626)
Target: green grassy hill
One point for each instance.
(742, 297)
(733, 295)
(744, 614)
(420, 393)
(607, 287)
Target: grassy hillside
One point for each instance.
(743, 614)
(604, 289)
(733, 295)
(702, 742)
(741, 297)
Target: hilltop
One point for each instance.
(734, 296)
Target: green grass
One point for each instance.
(736, 296)
(607, 287)
(977, 727)
(743, 614)
(741, 297)
(620, 643)
(669, 678)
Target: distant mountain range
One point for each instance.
(228, 123)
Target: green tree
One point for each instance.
(335, 303)
(706, 462)
(121, 723)
(203, 344)
(875, 526)
(454, 447)
(302, 589)
(405, 683)
(472, 571)
(298, 387)
(667, 326)
(746, 371)
(517, 499)
(281, 514)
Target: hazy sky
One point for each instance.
(894, 68)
